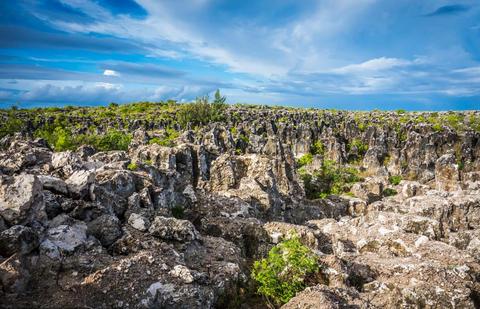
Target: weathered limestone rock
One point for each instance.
(14, 276)
(20, 197)
(64, 239)
(412, 188)
(79, 182)
(138, 222)
(67, 162)
(18, 239)
(322, 297)
(53, 184)
(105, 228)
(279, 231)
(447, 175)
(370, 190)
(159, 156)
(22, 154)
(173, 229)
(103, 225)
(183, 273)
(255, 178)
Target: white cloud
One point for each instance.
(107, 85)
(111, 73)
(320, 51)
(469, 71)
(373, 65)
(71, 92)
(245, 47)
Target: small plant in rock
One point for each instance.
(132, 166)
(305, 160)
(395, 179)
(389, 192)
(282, 274)
(167, 140)
(178, 212)
(329, 179)
(244, 138)
(360, 147)
(437, 127)
(317, 148)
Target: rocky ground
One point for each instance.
(179, 227)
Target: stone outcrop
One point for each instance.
(180, 226)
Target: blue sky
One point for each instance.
(347, 54)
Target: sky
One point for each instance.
(344, 54)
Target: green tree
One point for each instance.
(202, 112)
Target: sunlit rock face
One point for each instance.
(389, 203)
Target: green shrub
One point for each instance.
(244, 138)
(362, 126)
(57, 137)
(168, 140)
(395, 180)
(474, 123)
(202, 112)
(61, 138)
(455, 121)
(113, 140)
(178, 212)
(282, 274)
(389, 192)
(437, 127)
(317, 148)
(386, 160)
(305, 160)
(360, 147)
(132, 166)
(330, 179)
(64, 139)
(11, 125)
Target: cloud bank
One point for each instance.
(329, 53)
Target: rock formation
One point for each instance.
(179, 227)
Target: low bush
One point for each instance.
(330, 179)
(389, 192)
(132, 166)
(202, 111)
(58, 138)
(282, 274)
(168, 140)
(395, 180)
(360, 147)
(62, 139)
(11, 125)
(317, 148)
(178, 211)
(112, 140)
(305, 160)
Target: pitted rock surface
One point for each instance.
(179, 226)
